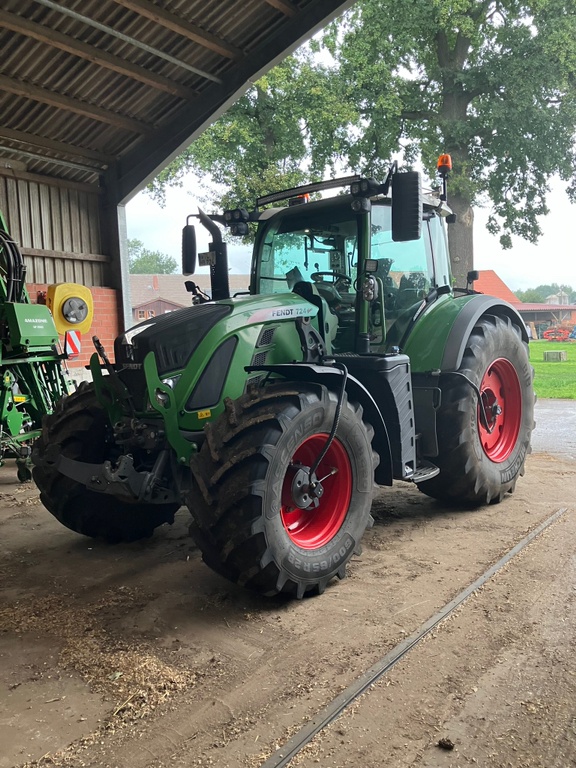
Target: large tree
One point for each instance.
(143, 261)
(491, 83)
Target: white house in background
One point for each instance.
(557, 298)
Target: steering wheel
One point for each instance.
(331, 291)
(336, 276)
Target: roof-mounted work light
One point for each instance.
(365, 188)
(239, 228)
(361, 205)
(236, 214)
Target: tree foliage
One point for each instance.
(491, 83)
(539, 294)
(290, 126)
(142, 261)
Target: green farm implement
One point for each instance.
(33, 376)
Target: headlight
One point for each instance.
(171, 381)
(162, 398)
(129, 335)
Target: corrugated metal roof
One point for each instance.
(546, 307)
(107, 91)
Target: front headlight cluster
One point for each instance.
(171, 381)
(129, 335)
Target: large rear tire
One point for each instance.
(252, 521)
(80, 427)
(480, 460)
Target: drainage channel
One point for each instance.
(334, 709)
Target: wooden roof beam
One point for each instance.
(88, 52)
(90, 22)
(181, 27)
(52, 160)
(285, 7)
(41, 142)
(45, 96)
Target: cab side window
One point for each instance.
(404, 268)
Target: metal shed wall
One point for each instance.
(57, 225)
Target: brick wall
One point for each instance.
(105, 324)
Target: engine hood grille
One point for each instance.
(172, 337)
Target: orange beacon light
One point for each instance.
(444, 167)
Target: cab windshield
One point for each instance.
(310, 246)
(317, 245)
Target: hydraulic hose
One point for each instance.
(481, 406)
(332, 434)
(15, 268)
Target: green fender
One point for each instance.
(332, 378)
(438, 338)
(437, 343)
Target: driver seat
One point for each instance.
(327, 321)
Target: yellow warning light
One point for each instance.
(71, 305)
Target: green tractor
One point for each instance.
(271, 415)
(33, 375)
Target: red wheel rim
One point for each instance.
(316, 526)
(502, 400)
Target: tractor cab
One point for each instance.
(314, 250)
(371, 261)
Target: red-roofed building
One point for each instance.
(538, 316)
(488, 282)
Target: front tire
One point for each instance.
(80, 427)
(481, 458)
(252, 519)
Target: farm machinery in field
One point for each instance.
(271, 415)
(559, 333)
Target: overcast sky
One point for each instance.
(553, 260)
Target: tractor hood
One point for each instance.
(172, 337)
(175, 336)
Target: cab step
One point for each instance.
(424, 471)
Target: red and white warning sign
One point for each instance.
(72, 343)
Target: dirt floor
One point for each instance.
(137, 656)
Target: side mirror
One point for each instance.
(472, 276)
(407, 208)
(188, 250)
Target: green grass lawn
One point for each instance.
(555, 380)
